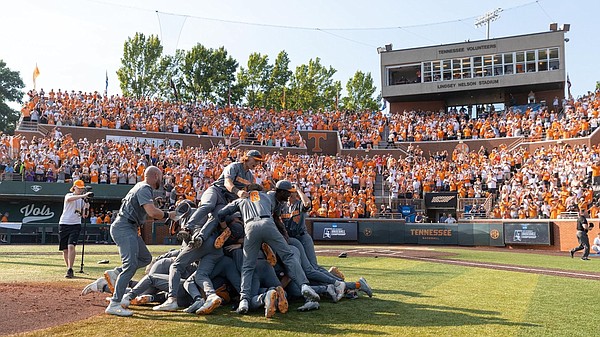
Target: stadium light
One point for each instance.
(486, 18)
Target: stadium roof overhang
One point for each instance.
(483, 95)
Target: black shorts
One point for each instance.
(69, 234)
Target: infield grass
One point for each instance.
(412, 298)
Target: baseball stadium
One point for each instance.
(461, 201)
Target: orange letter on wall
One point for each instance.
(317, 136)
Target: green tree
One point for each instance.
(10, 91)
(312, 86)
(255, 79)
(208, 74)
(141, 69)
(278, 80)
(360, 90)
(171, 65)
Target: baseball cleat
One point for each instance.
(331, 292)
(169, 305)
(220, 240)
(111, 278)
(213, 301)
(269, 254)
(309, 305)
(242, 307)
(195, 306)
(309, 293)
(94, 287)
(352, 294)
(340, 288)
(143, 299)
(117, 310)
(337, 273)
(270, 302)
(364, 287)
(282, 303)
(126, 301)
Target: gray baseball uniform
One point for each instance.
(212, 200)
(133, 250)
(260, 227)
(217, 196)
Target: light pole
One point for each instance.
(486, 18)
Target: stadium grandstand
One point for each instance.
(479, 130)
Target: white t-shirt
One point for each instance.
(72, 211)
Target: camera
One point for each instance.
(89, 189)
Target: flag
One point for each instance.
(337, 98)
(36, 73)
(106, 84)
(569, 86)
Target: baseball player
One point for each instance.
(230, 185)
(293, 214)
(257, 213)
(136, 206)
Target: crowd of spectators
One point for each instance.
(474, 174)
(575, 118)
(551, 181)
(339, 186)
(542, 184)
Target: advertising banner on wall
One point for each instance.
(335, 231)
(441, 200)
(522, 233)
(27, 212)
(431, 234)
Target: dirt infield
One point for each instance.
(33, 306)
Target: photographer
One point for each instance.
(582, 236)
(75, 206)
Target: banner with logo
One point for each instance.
(321, 141)
(532, 233)
(335, 231)
(381, 232)
(441, 200)
(480, 234)
(431, 234)
(27, 211)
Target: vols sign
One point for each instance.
(441, 200)
(335, 231)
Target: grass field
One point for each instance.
(412, 298)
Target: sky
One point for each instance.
(75, 43)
